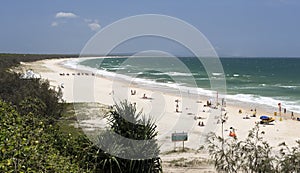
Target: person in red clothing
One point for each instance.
(232, 132)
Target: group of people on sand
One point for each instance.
(293, 117)
(78, 74)
(208, 103)
(247, 116)
(285, 111)
(133, 92)
(201, 123)
(275, 114)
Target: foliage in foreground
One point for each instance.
(27, 146)
(31, 141)
(16, 90)
(125, 121)
(30, 144)
(252, 155)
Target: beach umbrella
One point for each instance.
(264, 117)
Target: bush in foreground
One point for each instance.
(25, 146)
(252, 155)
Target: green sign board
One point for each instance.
(179, 137)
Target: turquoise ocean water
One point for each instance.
(255, 80)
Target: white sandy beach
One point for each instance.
(89, 88)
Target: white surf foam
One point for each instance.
(247, 98)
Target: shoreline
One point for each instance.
(268, 101)
(267, 109)
(162, 107)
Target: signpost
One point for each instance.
(177, 137)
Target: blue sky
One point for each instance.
(268, 28)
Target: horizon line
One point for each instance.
(130, 54)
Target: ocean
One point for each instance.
(266, 81)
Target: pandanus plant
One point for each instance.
(134, 136)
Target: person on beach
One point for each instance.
(292, 116)
(246, 117)
(144, 96)
(254, 113)
(225, 116)
(177, 107)
(201, 123)
(232, 132)
(208, 103)
(133, 92)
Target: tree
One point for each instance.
(125, 121)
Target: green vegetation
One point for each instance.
(28, 145)
(137, 127)
(18, 91)
(33, 139)
(12, 60)
(252, 155)
(21, 92)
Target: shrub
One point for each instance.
(252, 155)
(125, 121)
(26, 147)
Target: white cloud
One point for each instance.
(65, 15)
(54, 24)
(94, 26)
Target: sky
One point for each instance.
(252, 28)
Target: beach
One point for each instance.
(84, 85)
